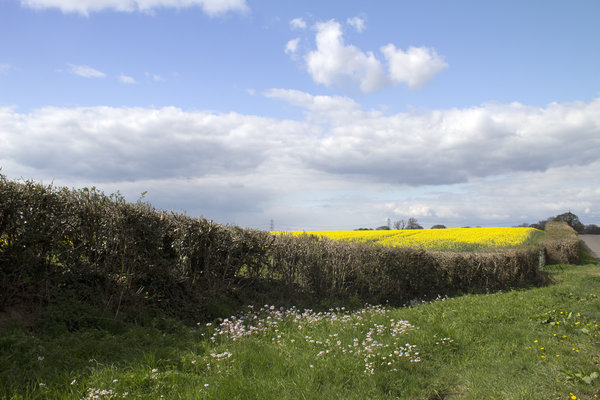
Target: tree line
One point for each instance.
(571, 219)
(401, 224)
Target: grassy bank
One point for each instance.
(538, 343)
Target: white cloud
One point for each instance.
(291, 46)
(85, 71)
(335, 63)
(126, 79)
(357, 23)
(107, 143)
(448, 146)
(323, 109)
(339, 137)
(85, 7)
(416, 67)
(5, 68)
(154, 77)
(525, 196)
(297, 23)
(478, 165)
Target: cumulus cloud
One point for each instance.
(335, 63)
(298, 23)
(491, 160)
(338, 137)
(449, 146)
(126, 79)
(357, 23)
(291, 46)
(316, 104)
(85, 7)
(526, 196)
(85, 71)
(416, 67)
(322, 110)
(106, 143)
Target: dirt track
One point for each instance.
(593, 243)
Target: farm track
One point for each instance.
(593, 243)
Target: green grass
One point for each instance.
(469, 347)
(536, 238)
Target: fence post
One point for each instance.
(541, 258)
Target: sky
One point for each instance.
(309, 115)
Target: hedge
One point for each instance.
(561, 243)
(125, 257)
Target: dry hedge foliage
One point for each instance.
(125, 257)
(561, 243)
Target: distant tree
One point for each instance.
(413, 224)
(572, 220)
(438, 227)
(363, 229)
(541, 225)
(399, 225)
(383, 228)
(523, 225)
(592, 229)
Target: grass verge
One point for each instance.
(539, 343)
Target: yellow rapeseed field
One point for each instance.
(453, 239)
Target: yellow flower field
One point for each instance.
(454, 239)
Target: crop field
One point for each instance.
(453, 239)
